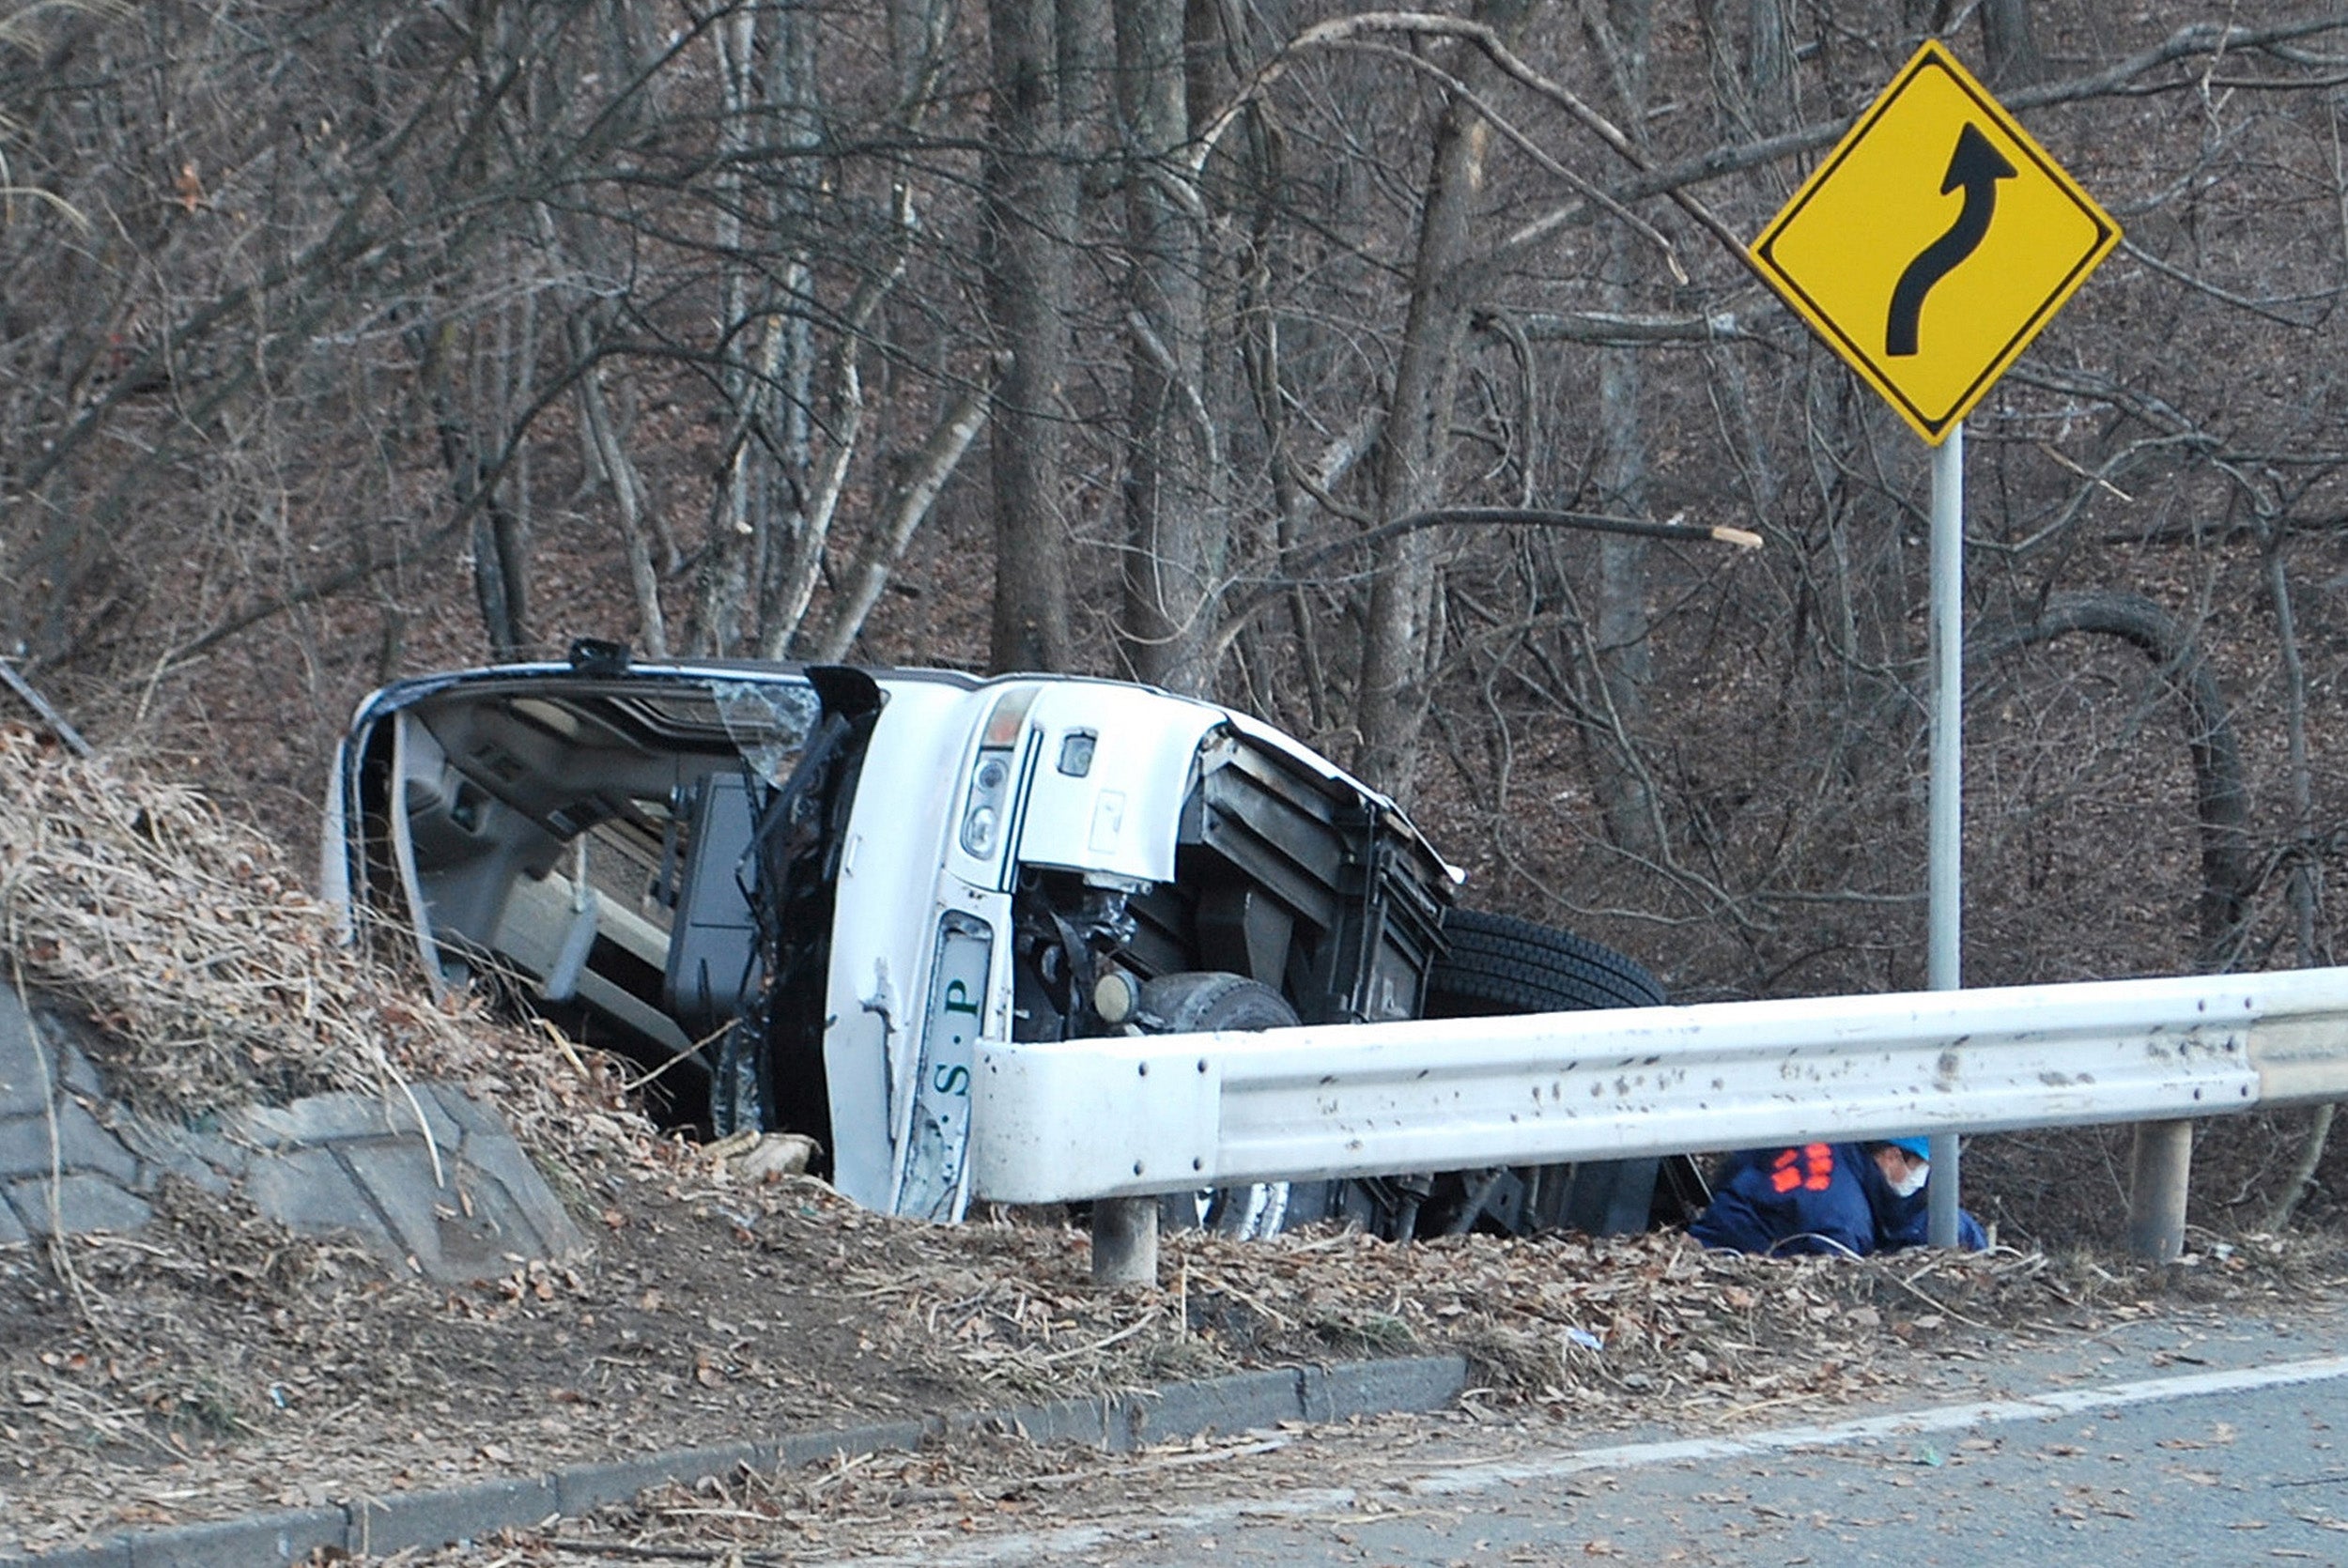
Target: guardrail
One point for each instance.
(1107, 1118)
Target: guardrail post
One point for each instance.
(2158, 1171)
(1125, 1241)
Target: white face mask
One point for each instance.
(1913, 1183)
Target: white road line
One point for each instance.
(1939, 1418)
(1048, 1546)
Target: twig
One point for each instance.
(60, 1252)
(686, 1054)
(1218, 1283)
(2095, 478)
(1126, 1332)
(841, 1472)
(49, 715)
(661, 1554)
(1936, 1306)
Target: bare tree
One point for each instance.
(396, 333)
(1398, 641)
(2010, 39)
(1176, 523)
(1038, 101)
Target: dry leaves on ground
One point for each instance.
(217, 978)
(217, 1364)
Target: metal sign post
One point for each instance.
(1927, 251)
(1944, 958)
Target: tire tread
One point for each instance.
(1499, 963)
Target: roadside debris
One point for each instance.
(215, 975)
(218, 1364)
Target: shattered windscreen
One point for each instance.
(767, 722)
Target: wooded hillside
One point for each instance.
(340, 341)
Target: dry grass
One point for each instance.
(180, 933)
(217, 1364)
(215, 977)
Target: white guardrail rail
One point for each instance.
(1101, 1118)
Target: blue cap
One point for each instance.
(1917, 1147)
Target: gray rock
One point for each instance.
(319, 1119)
(401, 1521)
(23, 1069)
(448, 1131)
(582, 1487)
(209, 1160)
(467, 1113)
(1238, 1403)
(432, 1180)
(536, 1209)
(282, 1536)
(76, 1073)
(1094, 1422)
(81, 1144)
(25, 1145)
(1364, 1388)
(83, 1204)
(308, 1189)
(113, 1554)
(846, 1442)
(461, 1229)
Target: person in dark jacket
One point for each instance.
(1846, 1199)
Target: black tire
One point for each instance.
(1500, 967)
(1193, 1002)
(1196, 1001)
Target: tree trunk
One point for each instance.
(1030, 217)
(1622, 627)
(628, 489)
(790, 579)
(1770, 66)
(734, 537)
(2011, 43)
(1390, 705)
(860, 585)
(499, 565)
(791, 542)
(1619, 642)
(1175, 531)
(2306, 867)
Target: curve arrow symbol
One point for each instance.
(1977, 167)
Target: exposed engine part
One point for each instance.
(1116, 997)
(1064, 933)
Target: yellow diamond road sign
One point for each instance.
(1934, 242)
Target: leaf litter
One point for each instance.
(216, 1363)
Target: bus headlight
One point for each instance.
(983, 816)
(990, 778)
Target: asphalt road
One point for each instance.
(2202, 1440)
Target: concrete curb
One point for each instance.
(399, 1520)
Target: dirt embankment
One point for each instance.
(214, 1364)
